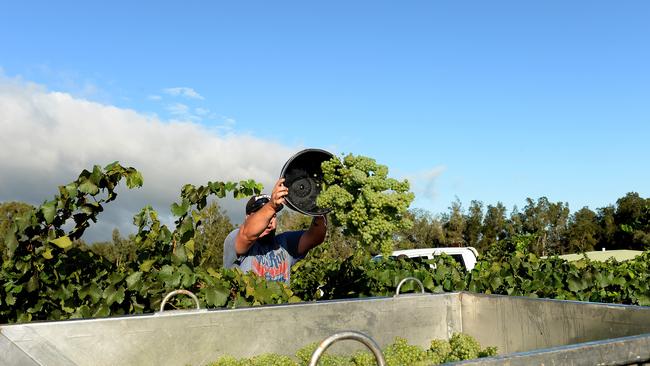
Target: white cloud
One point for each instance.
(154, 97)
(201, 111)
(47, 138)
(183, 92)
(423, 183)
(178, 109)
(182, 112)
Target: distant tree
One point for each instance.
(548, 222)
(515, 225)
(9, 210)
(455, 225)
(126, 248)
(120, 251)
(607, 224)
(558, 220)
(105, 249)
(474, 223)
(632, 218)
(337, 245)
(583, 231)
(211, 233)
(291, 221)
(535, 223)
(494, 226)
(427, 231)
(439, 237)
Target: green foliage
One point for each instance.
(583, 231)
(48, 273)
(45, 275)
(291, 221)
(547, 227)
(48, 276)
(210, 234)
(455, 226)
(632, 222)
(517, 273)
(427, 231)
(365, 203)
(527, 275)
(120, 251)
(9, 210)
(358, 276)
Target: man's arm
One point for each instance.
(257, 222)
(314, 236)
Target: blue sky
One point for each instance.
(492, 101)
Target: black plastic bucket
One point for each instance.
(304, 177)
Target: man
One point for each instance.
(255, 247)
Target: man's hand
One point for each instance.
(278, 195)
(314, 236)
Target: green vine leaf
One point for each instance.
(216, 296)
(134, 179)
(133, 280)
(113, 295)
(47, 253)
(146, 265)
(49, 211)
(179, 210)
(88, 187)
(62, 242)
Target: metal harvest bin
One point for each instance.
(527, 331)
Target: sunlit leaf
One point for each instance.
(88, 187)
(47, 253)
(62, 242)
(49, 211)
(133, 279)
(146, 265)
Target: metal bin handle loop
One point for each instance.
(353, 335)
(176, 292)
(409, 279)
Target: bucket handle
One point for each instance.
(409, 279)
(353, 335)
(176, 292)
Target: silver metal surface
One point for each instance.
(399, 286)
(518, 324)
(176, 292)
(10, 354)
(357, 336)
(198, 337)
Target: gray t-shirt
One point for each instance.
(272, 261)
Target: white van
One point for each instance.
(465, 256)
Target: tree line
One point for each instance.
(540, 227)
